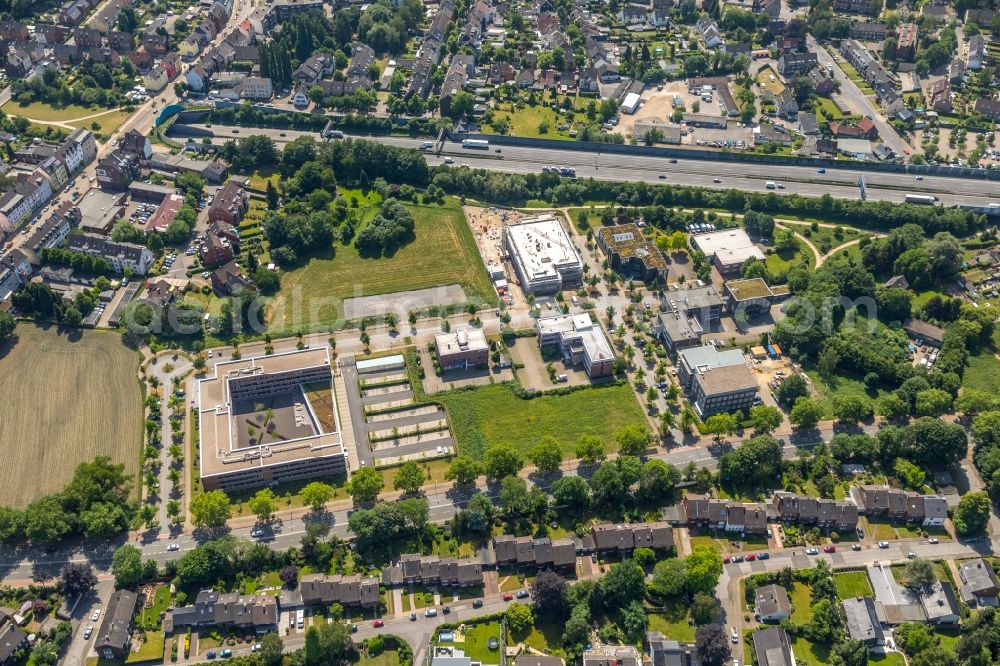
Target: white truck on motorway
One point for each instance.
(924, 199)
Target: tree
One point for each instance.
(934, 442)
(210, 509)
(633, 439)
(892, 407)
(919, 574)
(104, 520)
(289, 575)
(972, 514)
(756, 460)
(721, 425)
(849, 653)
(703, 566)
(519, 619)
(911, 475)
(46, 521)
(824, 626)
(590, 449)
(365, 485)
(806, 413)
(712, 645)
(502, 460)
(622, 585)
(514, 495)
(657, 481)
(313, 651)
(316, 494)
(262, 504)
(549, 593)
(271, 649)
(933, 402)
(669, 578)
(126, 567)
(766, 418)
(571, 492)
(852, 408)
(607, 486)
(970, 402)
(704, 608)
(76, 579)
(463, 471)
(409, 478)
(7, 325)
(793, 388)
(546, 455)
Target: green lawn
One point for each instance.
(825, 388)
(476, 638)
(983, 372)
(545, 637)
(801, 598)
(852, 584)
(161, 601)
(528, 120)
(887, 659)
(779, 263)
(828, 105)
(387, 658)
(826, 238)
(810, 654)
(150, 650)
(490, 414)
(673, 623)
(48, 113)
(444, 252)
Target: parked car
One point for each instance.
(830, 549)
(446, 610)
(226, 654)
(734, 635)
(751, 557)
(933, 540)
(413, 617)
(88, 631)
(764, 556)
(737, 558)
(210, 654)
(726, 559)
(378, 623)
(431, 612)
(856, 546)
(522, 594)
(96, 614)
(508, 597)
(883, 544)
(257, 646)
(811, 551)
(478, 603)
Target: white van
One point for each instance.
(770, 185)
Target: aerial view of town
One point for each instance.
(500, 332)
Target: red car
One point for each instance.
(725, 559)
(378, 623)
(751, 557)
(830, 549)
(508, 596)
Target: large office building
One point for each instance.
(716, 382)
(728, 249)
(269, 419)
(686, 315)
(580, 340)
(543, 255)
(631, 253)
(462, 349)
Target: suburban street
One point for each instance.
(838, 183)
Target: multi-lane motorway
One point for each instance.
(840, 183)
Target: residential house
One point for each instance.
(529, 552)
(793, 64)
(113, 639)
(771, 647)
(862, 621)
(710, 33)
(12, 640)
(823, 83)
(230, 204)
(229, 279)
(122, 257)
(869, 32)
(977, 52)
(116, 171)
(15, 269)
(939, 604)
(612, 655)
(988, 107)
(980, 586)
(906, 43)
(667, 652)
(771, 603)
(939, 97)
(350, 590)
(221, 245)
(314, 68)
(255, 87)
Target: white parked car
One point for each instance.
(88, 631)
(96, 614)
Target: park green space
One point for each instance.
(492, 414)
(72, 114)
(443, 252)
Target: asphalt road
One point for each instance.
(838, 182)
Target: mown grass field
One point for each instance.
(852, 584)
(492, 414)
(64, 401)
(109, 119)
(444, 252)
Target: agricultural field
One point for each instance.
(444, 252)
(65, 399)
(492, 414)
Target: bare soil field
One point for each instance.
(65, 399)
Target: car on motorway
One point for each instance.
(920, 177)
(522, 594)
(821, 170)
(933, 540)
(662, 176)
(883, 544)
(378, 623)
(856, 546)
(508, 597)
(672, 161)
(811, 551)
(172, 547)
(781, 186)
(88, 631)
(449, 160)
(236, 131)
(717, 180)
(497, 150)
(830, 549)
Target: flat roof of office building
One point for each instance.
(301, 430)
(707, 357)
(541, 245)
(729, 245)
